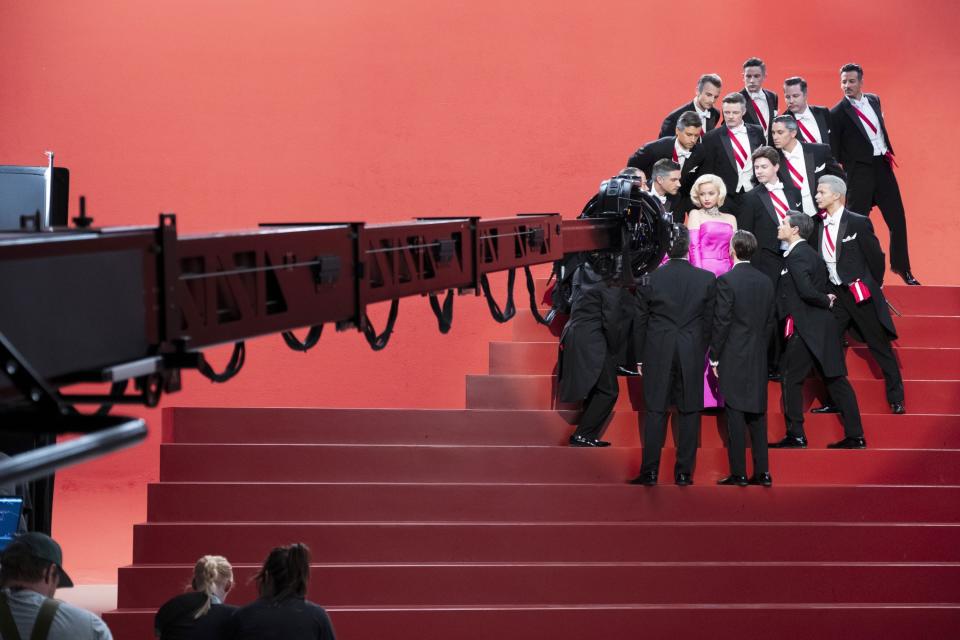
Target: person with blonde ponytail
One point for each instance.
(199, 613)
(282, 612)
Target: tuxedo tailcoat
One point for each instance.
(758, 216)
(821, 116)
(871, 179)
(669, 126)
(751, 115)
(819, 162)
(673, 322)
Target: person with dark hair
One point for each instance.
(708, 90)
(199, 614)
(665, 184)
(764, 208)
(743, 320)
(761, 104)
(813, 121)
(31, 571)
(282, 611)
(676, 147)
(726, 152)
(855, 266)
(812, 337)
(802, 163)
(672, 329)
(862, 145)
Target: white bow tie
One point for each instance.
(740, 129)
(773, 186)
(758, 96)
(831, 221)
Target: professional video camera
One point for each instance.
(646, 230)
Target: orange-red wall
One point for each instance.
(231, 113)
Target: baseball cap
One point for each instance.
(42, 547)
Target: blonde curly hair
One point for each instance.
(717, 182)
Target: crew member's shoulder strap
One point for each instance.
(8, 627)
(41, 628)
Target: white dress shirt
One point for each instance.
(831, 224)
(705, 115)
(745, 181)
(776, 188)
(656, 194)
(682, 154)
(810, 123)
(761, 99)
(791, 246)
(876, 139)
(800, 164)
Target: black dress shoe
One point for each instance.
(623, 371)
(908, 278)
(761, 479)
(789, 442)
(826, 408)
(740, 481)
(848, 443)
(898, 408)
(581, 441)
(647, 479)
(684, 479)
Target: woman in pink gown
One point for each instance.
(710, 233)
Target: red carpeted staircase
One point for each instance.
(481, 523)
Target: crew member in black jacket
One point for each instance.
(855, 266)
(862, 145)
(742, 324)
(590, 347)
(708, 90)
(813, 340)
(674, 316)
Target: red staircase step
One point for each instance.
(335, 585)
(589, 622)
(504, 427)
(385, 542)
(917, 363)
(445, 463)
(539, 392)
(912, 331)
(380, 502)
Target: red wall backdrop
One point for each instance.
(231, 113)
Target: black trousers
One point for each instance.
(864, 318)
(798, 361)
(738, 422)
(876, 184)
(600, 401)
(655, 431)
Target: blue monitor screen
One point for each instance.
(10, 508)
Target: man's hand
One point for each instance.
(833, 299)
(640, 368)
(716, 374)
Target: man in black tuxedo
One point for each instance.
(860, 142)
(802, 163)
(813, 340)
(813, 121)
(677, 146)
(665, 185)
(708, 90)
(761, 104)
(590, 348)
(855, 266)
(673, 320)
(726, 152)
(763, 210)
(742, 324)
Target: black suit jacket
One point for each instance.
(669, 126)
(646, 156)
(714, 155)
(742, 324)
(820, 162)
(822, 117)
(758, 216)
(859, 257)
(673, 321)
(802, 293)
(848, 133)
(594, 331)
(751, 115)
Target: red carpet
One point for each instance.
(479, 523)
